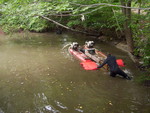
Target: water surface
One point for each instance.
(37, 76)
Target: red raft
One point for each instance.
(89, 64)
(86, 63)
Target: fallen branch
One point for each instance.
(66, 26)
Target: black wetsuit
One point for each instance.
(113, 66)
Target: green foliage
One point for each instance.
(73, 23)
(103, 17)
(17, 16)
(142, 37)
(22, 17)
(144, 78)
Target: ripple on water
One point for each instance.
(1, 111)
(42, 104)
(59, 104)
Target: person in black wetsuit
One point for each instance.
(113, 66)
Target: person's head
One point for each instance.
(108, 54)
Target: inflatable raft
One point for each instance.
(90, 57)
(86, 62)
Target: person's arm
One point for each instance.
(100, 66)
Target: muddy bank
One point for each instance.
(120, 44)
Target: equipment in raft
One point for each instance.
(90, 61)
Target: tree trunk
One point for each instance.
(139, 10)
(127, 28)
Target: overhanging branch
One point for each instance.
(110, 5)
(66, 26)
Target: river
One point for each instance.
(37, 76)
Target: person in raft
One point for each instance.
(113, 66)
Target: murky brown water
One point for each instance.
(36, 76)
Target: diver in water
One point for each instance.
(113, 66)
